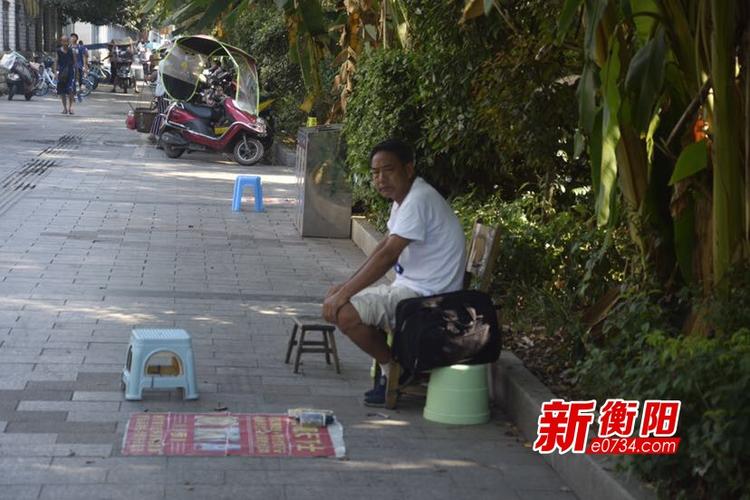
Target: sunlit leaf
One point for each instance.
(476, 8)
(692, 160)
(610, 132)
(594, 12)
(595, 151)
(587, 88)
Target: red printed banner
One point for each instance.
(222, 434)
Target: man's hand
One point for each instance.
(332, 304)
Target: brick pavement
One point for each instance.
(105, 234)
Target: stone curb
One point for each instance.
(521, 395)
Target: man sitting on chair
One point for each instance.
(425, 246)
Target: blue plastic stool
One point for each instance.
(239, 185)
(144, 343)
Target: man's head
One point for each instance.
(73, 39)
(392, 168)
(64, 41)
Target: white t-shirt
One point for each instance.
(434, 260)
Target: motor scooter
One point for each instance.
(214, 112)
(124, 77)
(218, 127)
(23, 78)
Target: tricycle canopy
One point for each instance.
(181, 71)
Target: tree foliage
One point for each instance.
(99, 12)
(470, 99)
(261, 31)
(649, 68)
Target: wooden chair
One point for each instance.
(484, 248)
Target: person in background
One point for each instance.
(145, 54)
(113, 60)
(81, 55)
(66, 78)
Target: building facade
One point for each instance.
(28, 26)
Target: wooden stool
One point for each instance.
(326, 346)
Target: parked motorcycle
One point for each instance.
(124, 77)
(22, 77)
(226, 122)
(47, 80)
(47, 83)
(96, 74)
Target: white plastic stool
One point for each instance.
(145, 343)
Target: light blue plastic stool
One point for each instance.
(144, 343)
(239, 184)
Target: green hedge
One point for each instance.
(642, 354)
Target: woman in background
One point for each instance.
(66, 75)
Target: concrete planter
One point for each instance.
(284, 155)
(521, 395)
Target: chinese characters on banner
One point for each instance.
(564, 426)
(220, 434)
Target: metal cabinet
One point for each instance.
(324, 196)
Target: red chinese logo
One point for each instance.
(564, 426)
(660, 418)
(617, 418)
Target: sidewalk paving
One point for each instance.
(99, 233)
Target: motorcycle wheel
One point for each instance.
(248, 151)
(172, 151)
(41, 90)
(87, 88)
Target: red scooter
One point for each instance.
(217, 111)
(219, 127)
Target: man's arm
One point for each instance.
(381, 260)
(377, 248)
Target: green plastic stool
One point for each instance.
(458, 395)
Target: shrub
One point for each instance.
(260, 30)
(551, 263)
(644, 356)
(470, 105)
(383, 106)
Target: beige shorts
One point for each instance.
(376, 305)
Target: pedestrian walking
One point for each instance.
(66, 79)
(81, 55)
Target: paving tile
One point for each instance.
(20, 492)
(66, 406)
(92, 253)
(96, 396)
(225, 492)
(102, 491)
